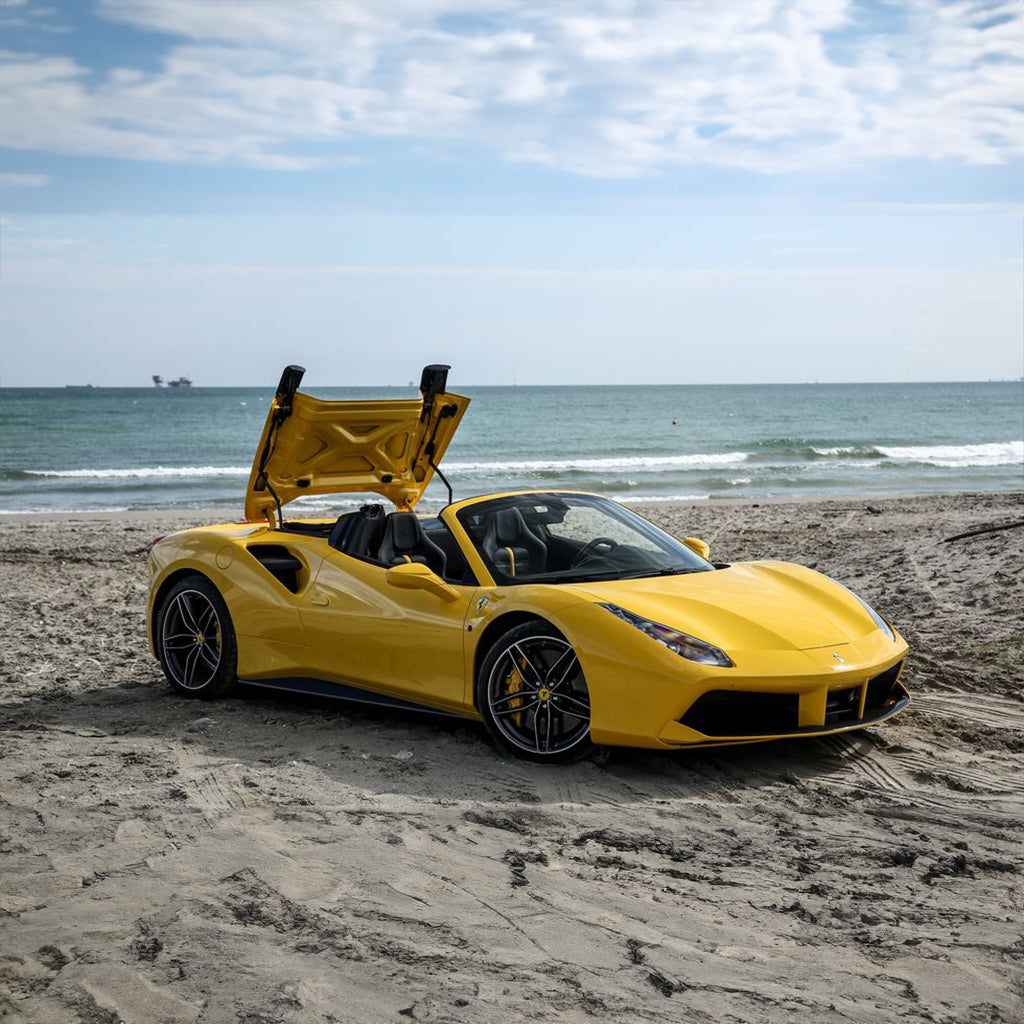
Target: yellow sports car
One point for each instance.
(560, 619)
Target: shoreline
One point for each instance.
(222, 514)
(390, 862)
(268, 391)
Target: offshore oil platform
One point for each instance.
(177, 382)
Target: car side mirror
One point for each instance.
(699, 546)
(417, 576)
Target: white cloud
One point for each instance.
(607, 89)
(24, 180)
(49, 246)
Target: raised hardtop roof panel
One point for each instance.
(390, 447)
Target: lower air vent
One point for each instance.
(882, 690)
(739, 713)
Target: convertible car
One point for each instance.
(561, 619)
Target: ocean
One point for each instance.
(147, 448)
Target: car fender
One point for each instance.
(260, 607)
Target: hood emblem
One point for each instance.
(839, 658)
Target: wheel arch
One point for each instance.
(493, 631)
(162, 591)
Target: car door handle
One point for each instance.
(320, 599)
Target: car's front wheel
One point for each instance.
(195, 639)
(533, 697)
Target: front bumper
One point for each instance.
(736, 716)
(643, 695)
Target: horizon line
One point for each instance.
(680, 384)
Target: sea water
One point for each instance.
(122, 448)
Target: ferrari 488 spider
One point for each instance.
(561, 619)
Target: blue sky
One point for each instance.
(552, 193)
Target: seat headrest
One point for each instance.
(508, 525)
(405, 528)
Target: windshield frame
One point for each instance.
(682, 558)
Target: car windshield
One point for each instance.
(571, 538)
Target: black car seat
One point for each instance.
(510, 544)
(405, 541)
(456, 569)
(359, 534)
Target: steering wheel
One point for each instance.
(593, 547)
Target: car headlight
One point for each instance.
(686, 646)
(875, 617)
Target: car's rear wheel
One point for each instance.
(195, 639)
(533, 697)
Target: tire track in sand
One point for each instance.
(997, 712)
(931, 770)
(858, 755)
(931, 787)
(213, 787)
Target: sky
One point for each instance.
(548, 193)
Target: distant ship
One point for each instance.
(180, 382)
(79, 387)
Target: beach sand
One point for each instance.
(266, 859)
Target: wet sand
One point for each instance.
(265, 859)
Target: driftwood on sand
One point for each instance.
(984, 529)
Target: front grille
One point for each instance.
(842, 706)
(739, 713)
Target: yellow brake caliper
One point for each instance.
(514, 684)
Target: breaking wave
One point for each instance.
(951, 456)
(651, 499)
(1006, 453)
(700, 460)
(140, 472)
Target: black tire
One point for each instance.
(195, 639)
(551, 725)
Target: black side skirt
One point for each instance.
(342, 691)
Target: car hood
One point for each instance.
(748, 606)
(313, 446)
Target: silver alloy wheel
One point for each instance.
(538, 697)
(191, 639)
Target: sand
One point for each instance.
(264, 860)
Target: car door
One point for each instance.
(404, 643)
